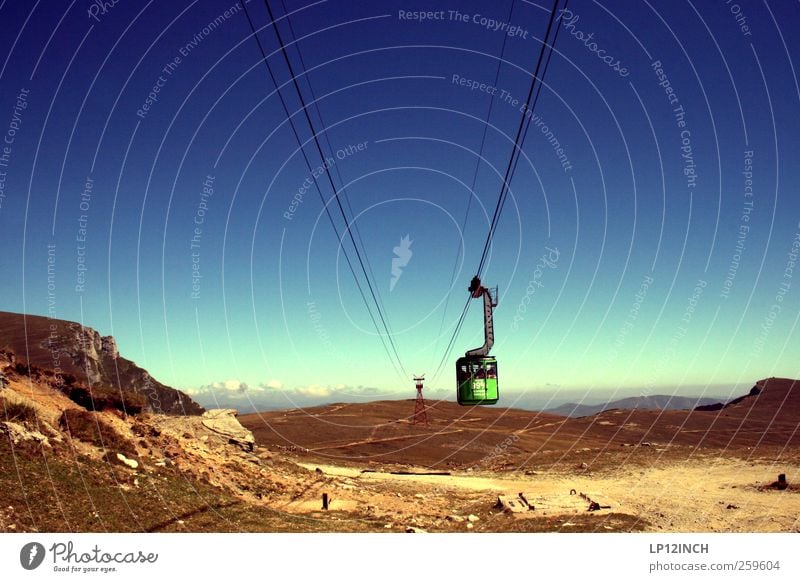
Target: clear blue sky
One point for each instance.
(667, 265)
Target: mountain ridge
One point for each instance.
(653, 402)
(86, 365)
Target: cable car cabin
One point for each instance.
(476, 377)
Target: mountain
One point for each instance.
(86, 365)
(657, 402)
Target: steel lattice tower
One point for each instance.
(420, 413)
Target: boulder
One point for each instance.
(223, 422)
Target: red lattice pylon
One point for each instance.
(420, 413)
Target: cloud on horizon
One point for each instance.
(273, 394)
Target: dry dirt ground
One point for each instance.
(701, 495)
(704, 494)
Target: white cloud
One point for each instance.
(234, 385)
(228, 386)
(314, 391)
(272, 385)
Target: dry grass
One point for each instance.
(57, 493)
(18, 412)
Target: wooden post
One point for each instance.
(325, 501)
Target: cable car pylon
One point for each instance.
(420, 412)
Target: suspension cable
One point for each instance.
(519, 139)
(322, 198)
(333, 187)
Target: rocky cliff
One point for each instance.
(86, 365)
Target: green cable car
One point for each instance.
(476, 372)
(477, 380)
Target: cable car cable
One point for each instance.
(326, 137)
(525, 121)
(333, 186)
(536, 97)
(319, 192)
(477, 167)
(512, 164)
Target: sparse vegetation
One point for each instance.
(79, 494)
(18, 412)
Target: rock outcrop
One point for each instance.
(83, 358)
(223, 422)
(18, 433)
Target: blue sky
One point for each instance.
(648, 242)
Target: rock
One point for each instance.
(584, 466)
(455, 518)
(419, 496)
(17, 433)
(133, 464)
(108, 346)
(411, 529)
(223, 421)
(388, 526)
(473, 518)
(470, 526)
(319, 471)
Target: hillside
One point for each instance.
(69, 463)
(89, 364)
